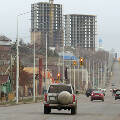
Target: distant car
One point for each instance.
(117, 95)
(111, 90)
(60, 96)
(89, 91)
(97, 95)
(113, 84)
(114, 91)
(103, 91)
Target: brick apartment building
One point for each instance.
(5, 53)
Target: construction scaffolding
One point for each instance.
(48, 21)
(80, 30)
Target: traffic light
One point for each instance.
(74, 63)
(81, 61)
(58, 76)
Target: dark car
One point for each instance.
(97, 95)
(117, 95)
(89, 91)
(114, 91)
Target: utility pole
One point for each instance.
(35, 24)
(59, 65)
(78, 75)
(78, 71)
(70, 71)
(101, 76)
(63, 61)
(93, 75)
(89, 70)
(17, 64)
(46, 64)
(34, 71)
(74, 77)
(74, 64)
(98, 75)
(82, 75)
(17, 58)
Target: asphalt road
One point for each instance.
(87, 110)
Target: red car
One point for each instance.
(97, 95)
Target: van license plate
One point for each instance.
(96, 95)
(52, 98)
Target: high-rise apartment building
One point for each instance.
(41, 23)
(80, 30)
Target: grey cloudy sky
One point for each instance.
(107, 11)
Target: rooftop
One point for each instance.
(4, 38)
(44, 3)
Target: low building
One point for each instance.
(5, 84)
(5, 54)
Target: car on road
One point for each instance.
(117, 95)
(89, 91)
(97, 95)
(103, 91)
(60, 96)
(114, 91)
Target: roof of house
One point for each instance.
(3, 79)
(4, 38)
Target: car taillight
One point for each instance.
(92, 94)
(73, 98)
(45, 97)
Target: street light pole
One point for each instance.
(89, 71)
(74, 77)
(63, 61)
(78, 74)
(34, 71)
(46, 63)
(35, 16)
(17, 64)
(101, 76)
(17, 58)
(70, 71)
(82, 75)
(93, 74)
(98, 75)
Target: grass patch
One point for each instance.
(24, 100)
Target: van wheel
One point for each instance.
(73, 110)
(91, 99)
(47, 110)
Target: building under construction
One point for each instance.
(80, 30)
(46, 19)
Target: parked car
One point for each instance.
(60, 96)
(97, 95)
(117, 95)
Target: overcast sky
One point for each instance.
(107, 11)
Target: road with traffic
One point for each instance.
(86, 110)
